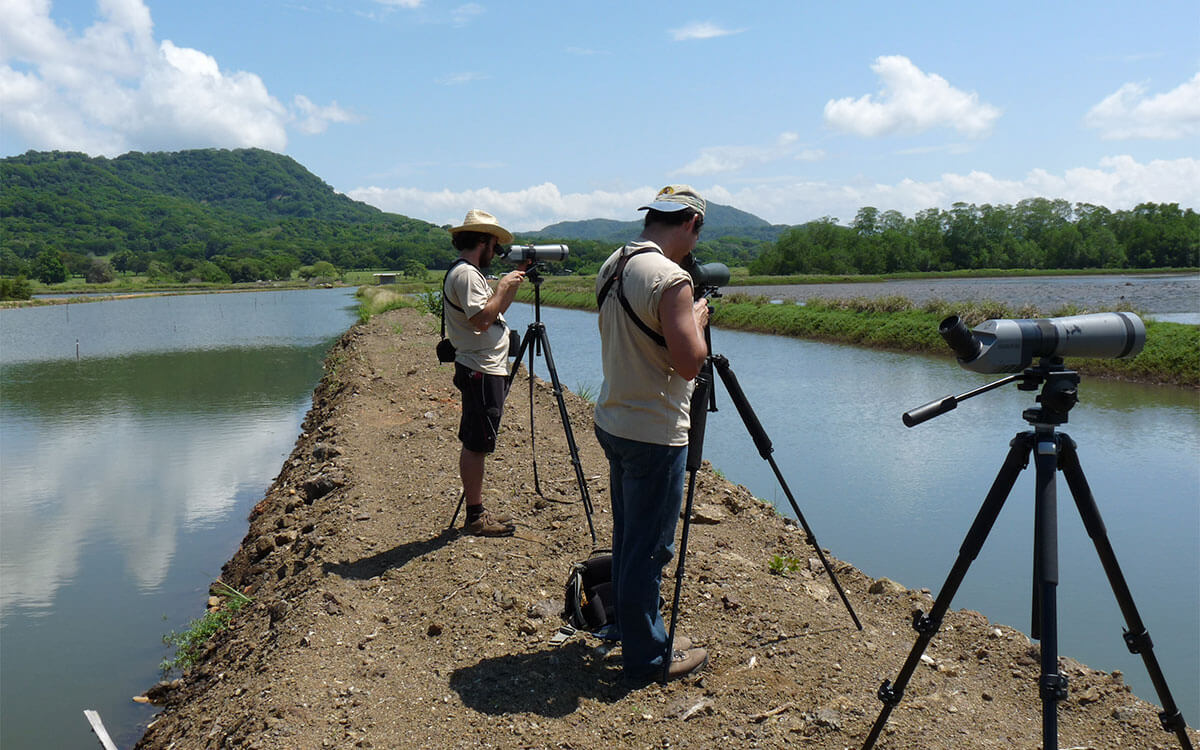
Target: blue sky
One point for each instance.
(548, 111)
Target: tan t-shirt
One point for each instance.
(642, 397)
(483, 351)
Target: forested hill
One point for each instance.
(249, 181)
(719, 222)
(180, 213)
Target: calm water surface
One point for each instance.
(127, 476)
(898, 502)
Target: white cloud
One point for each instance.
(1129, 113)
(911, 101)
(1117, 182)
(316, 119)
(458, 79)
(520, 210)
(718, 159)
(115, 88)
(701, 30)
(465, 14)
(400, 3)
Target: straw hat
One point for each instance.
(482, 221)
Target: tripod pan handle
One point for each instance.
(929, 411)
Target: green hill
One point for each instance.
(719, 222)
(173, 213)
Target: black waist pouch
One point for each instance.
(445, 351)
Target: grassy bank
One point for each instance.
(1171, 355)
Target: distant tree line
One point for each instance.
(1037, 233)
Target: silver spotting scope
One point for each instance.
(1004, 345)
(536, 253)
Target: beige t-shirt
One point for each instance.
(642, 397)
(483, 351)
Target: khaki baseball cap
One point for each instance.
(675, 198)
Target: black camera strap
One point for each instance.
(617, 277)
(446, 301)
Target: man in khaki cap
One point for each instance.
(475, 325)
(652, 346)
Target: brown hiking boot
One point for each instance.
(684, 663)
(487, 524)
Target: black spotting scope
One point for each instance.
(1004, 345)
(706, 276)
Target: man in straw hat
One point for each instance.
(652, 346)
(475, 325)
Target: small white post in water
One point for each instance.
(93, 718)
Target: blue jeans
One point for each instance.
(646, 485)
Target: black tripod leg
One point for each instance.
(927, 625)
(574, 448)
(1136, 636)
(1052, 686)
(532, 335)
(461, 499)
(759, 435)
(695, 456)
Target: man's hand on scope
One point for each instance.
(700, 312)
(511, 280)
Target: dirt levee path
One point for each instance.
(374, 626)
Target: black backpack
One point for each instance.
(588, 598)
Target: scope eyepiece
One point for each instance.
(961, 341)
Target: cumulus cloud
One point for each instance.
(315, 119)
(1117, 182)
(718, 159)
(523, 210)
(400, 3)
(115, 87)
(701, 30)
(1129, 113)
(911, 101)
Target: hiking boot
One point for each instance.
(500, 517)
(681, 643)
(487, 524)
(684, 663)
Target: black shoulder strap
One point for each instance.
(446, 301)
(616, 278)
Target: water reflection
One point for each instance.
(132, 452)
(127, 476)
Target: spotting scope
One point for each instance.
(1004, 345)
(535, 253)
(706, 276)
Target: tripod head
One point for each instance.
(1059, 394)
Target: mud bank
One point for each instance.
(374, 625)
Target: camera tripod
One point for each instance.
(704, 401)
(537, 341)
(1051, 451)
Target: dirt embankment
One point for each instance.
(375, 626)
